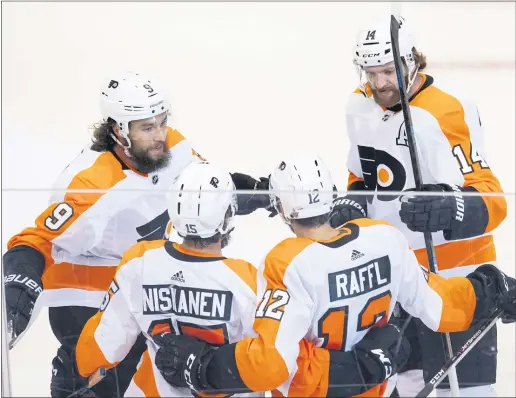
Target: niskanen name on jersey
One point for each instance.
(187, 301)
(359, 280)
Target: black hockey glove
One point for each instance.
(434, 213)
(182, 360)
(381, 353)
(66, 379)
(247, 203)
(347, 208)
(22, 281)
(493, 289)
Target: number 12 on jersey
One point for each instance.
(333, 325)
(273, 309)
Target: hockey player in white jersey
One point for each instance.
(67, 260)
(449, 136)
(331, 287)
(188, 288)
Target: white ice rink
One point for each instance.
(248, 82)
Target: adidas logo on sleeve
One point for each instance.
(178, 277)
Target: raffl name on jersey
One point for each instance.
(359, 280)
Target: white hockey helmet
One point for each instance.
(131, 96)
(373, 48)
(302, 187)
(199, 199)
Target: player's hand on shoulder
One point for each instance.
(493, 289)
(248, 203)
(433, 213)
(382, 353)
(348, 208)
(182, 360)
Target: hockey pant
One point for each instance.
(476, 372)
(67, 323)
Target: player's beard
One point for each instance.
(386, 98)
(148, 164)
(391, 95)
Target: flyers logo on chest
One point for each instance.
(382, 172)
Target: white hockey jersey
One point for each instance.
(450, 143)
(83, 235)
(332, 292)
(161, 286)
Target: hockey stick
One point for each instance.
(92, 381)
(395, 26)
(459, 355)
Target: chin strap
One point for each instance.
(125, 147)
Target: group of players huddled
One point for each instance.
(321, 314)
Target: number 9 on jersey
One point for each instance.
(61, 214)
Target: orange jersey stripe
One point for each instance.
(144, 377)
(376, 391)
(311, 378)
(459, 302)
(449, 112)
(66, 275)
(259, 363)
(103, 174)
(191, 252)
(460, 253)
(89, 356)
(139, 249)
(245, 271)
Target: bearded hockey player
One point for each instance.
(69, 257)
(192, 289)
(331, 287)
(449, 136)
